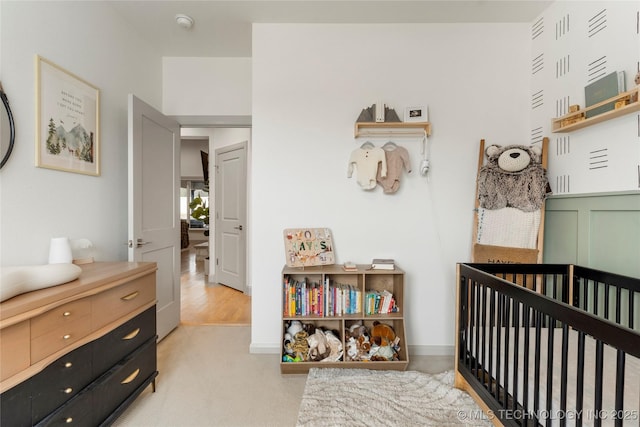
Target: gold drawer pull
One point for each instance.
(131, 335)
(68, 420)
(131, 296)
(131, 377)
(66, 337)
(68, 390)
(66, 314)
(68, 365)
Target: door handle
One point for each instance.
(139, 243)
(238, 228)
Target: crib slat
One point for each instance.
(580, 379)
(507, 311)
(516, 352)
(536, 363)
(563, 373)
(597, 401)
(476, 328)
(550, 346)
(620, 368)
(618, 303)
(596, 298)
(492, 325)
(483, 307)
(499, 324)
(631, 307)
(526, 324)
(606, 300)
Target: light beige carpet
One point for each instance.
(362, 397)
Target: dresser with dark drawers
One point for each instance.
(79, 353)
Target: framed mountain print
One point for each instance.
(67, 120)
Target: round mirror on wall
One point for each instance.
(7, 129)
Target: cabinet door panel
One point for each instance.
(15, 406)
(60, 337)
(14, 349)
(113, 388)
(109, 306)
(111, 348)
(60, 381)
(58, 317)
(77, 412)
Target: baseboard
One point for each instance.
(431, 350)
(264, 349)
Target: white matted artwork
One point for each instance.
(308, 246)
(68, 120)
(416, 114)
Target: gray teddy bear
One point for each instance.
(513, 177)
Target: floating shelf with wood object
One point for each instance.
(626, 102)
(392, 129)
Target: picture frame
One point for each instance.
(416, 114)
(67, 120)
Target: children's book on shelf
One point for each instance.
(380, 302)
(382, 264)
(305, 298)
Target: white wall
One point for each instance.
(38, 204)
(310, 83)
(190, 158)
(206, 86)
(576, 44)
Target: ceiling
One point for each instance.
(223, 28)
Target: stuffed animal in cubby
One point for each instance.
(318, 346)
(384, 338)
(513, 177)
(382, 334)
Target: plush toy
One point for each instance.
(294, 327)
(300, 346)
(318, 346)
(384, 340)
(513, 177)
(382, 335)
(335, 347)
(357, 342)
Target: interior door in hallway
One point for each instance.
(154, 212)
(231, 213)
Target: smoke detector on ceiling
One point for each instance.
(184, 21)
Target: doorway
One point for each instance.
(204, 300)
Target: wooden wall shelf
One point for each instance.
(579, 120)
(392, 129)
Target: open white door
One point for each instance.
(154, 212)
(231, 216)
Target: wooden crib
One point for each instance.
(542, 344)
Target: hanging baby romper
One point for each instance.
(397, 158)
(366, 162)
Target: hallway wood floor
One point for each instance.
(209, 303)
